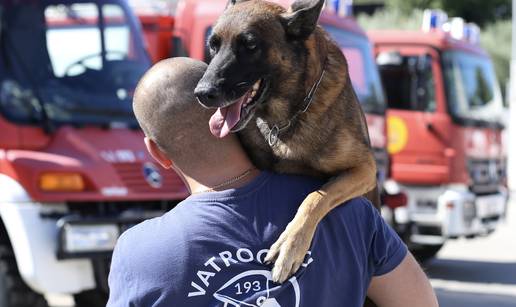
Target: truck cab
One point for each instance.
(74, 171)
(192, 22)
(445, 128)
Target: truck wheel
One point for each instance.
(424, 253)
(91, 298)
(13, 291)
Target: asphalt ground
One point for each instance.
(479, 272)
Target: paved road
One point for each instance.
(479, 272)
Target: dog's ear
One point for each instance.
(233, 2)
(300, 21)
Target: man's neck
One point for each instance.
(220, 178)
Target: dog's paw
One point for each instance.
(288, 252)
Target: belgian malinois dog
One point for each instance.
(278, 80)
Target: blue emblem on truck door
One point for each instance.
(152, 175)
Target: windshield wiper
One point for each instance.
(6, 42)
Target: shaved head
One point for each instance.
(169, 114)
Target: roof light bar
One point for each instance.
(437, 20)
(342, 8)
(457, 29)
(472, 33)
(433, 20)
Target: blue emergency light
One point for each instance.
(437, 20)
(472, 33)
(433, 20)
(342, 8)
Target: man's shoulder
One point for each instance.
(168, 219)
(358, 205)
(357, 213)
(153, 231)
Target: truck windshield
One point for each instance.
(77, 62)
(362, 68)
(408, 81)
(472, 90)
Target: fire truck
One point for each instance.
(183, 30)
(444, 129)
(74, 171)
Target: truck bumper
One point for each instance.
(58, 250)
(439, 213)
(35, 245)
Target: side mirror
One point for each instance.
(178, 48)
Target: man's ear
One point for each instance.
(158, 154)
(233, 2)
(302, 18)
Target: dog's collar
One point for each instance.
(274, 132)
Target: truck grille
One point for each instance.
(132, 175)
(486, 175)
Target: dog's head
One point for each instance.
(255, 46)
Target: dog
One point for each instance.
(278, 80)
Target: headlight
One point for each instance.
(79, 238)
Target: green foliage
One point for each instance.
(407, 6)
(392, 18)
(481, 12)
(496, 40)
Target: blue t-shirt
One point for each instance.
(209, 251)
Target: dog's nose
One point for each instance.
(208, 95)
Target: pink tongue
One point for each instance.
(226, 118)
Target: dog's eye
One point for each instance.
(214, 43)
(249, 42)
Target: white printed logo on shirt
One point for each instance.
(253, 288)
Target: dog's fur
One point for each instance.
(256, 40)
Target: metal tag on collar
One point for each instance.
(273, 135)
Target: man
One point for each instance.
(209, 250)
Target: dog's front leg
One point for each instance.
(289, 250)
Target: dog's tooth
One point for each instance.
(256, 86)
(253, 93)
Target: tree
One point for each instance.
(407, 6)
(483, 12)
(392, 18)
(496, 39)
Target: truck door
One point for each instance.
(418, 124)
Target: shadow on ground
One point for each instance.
(466, 299)
(472, 271)
(477, 272)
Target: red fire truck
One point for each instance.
(183, 31)
(74, 172)
(445, 129)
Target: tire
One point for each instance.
(424, 253)
(13, 290)
(91, 298)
